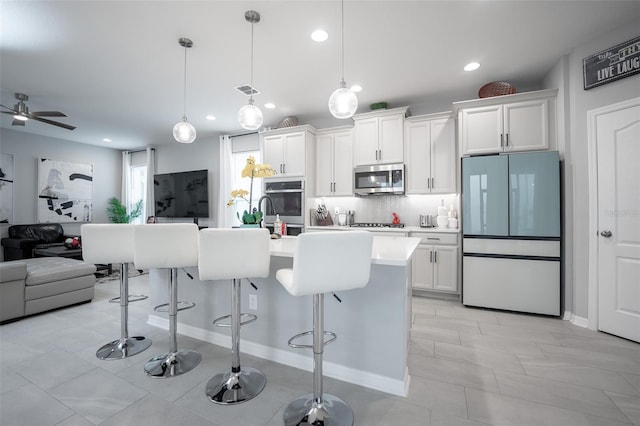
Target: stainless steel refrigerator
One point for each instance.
(511, 232)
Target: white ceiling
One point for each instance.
(116, 68)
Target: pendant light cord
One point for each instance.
(342, 36)
(251, 78)
(184, 91)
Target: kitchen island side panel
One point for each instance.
(372, 323)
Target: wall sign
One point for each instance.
(619, 61)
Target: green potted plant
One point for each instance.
(117, 212)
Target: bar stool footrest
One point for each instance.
(332, 337)
(181, 306)
(132, 298)
(244, 319)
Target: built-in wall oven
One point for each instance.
(287, 196)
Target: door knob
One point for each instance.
(606, 233)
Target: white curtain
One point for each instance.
(125, 193)
(151, 170)
(225, 215)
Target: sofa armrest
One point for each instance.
(12, 271)
(19, 243)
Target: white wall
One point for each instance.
(27, 148)
(576, 153)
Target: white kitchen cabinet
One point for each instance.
(379, 137)
(334, 162)
(430, 153)
(286, 153)
(435, 262)
(521, 122)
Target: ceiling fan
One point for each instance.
(20, 112)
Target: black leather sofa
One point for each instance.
(23, 239)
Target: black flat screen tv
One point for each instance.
(181, 194)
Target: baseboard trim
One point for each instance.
(333, 370)
(575, 320)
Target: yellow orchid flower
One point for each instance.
(251, 170)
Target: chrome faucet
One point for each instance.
(260, 204)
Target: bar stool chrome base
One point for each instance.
(331, 411)
(234, 388)
(171, 364)
(123, 348)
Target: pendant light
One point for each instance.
(250, 116)
(183, 131)
(343, 103)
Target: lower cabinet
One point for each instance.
(435, 262)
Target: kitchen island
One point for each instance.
(372, 323)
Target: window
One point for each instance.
(138, 191)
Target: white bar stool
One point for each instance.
(324, 262)
(229, 254)
(172, 246)
(114, 243)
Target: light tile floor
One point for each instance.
(467, 367)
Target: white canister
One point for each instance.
(442, 221)
(453, 223)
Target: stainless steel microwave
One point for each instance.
(379, 179)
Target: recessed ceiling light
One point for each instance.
(319, 35)
(471, 66)
(356, 88)
(210, 117)
(106, 140)
(270, 105)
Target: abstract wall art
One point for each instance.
(65, 191)
(6, 188)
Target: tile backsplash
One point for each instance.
(379, 208)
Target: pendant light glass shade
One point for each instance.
(343, 103)
(184, 132)
(250, 116)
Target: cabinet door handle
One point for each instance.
(380, 156)
(430, 256)
(433, 184)
(428, 183)
(433, 238)
(284, 168)
(435, 257)
(501, 140)
(506, 139)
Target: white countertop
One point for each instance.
(386, 229)
(391, 251)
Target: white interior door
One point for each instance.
(617, 134)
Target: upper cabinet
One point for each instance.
(286, 149)
(430, 153)
(520, 122)
(334, 162)
(379, 137)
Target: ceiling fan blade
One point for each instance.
(47, 114)
(54, 123)
(17, 123)
(8, 112)
(10, 109)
